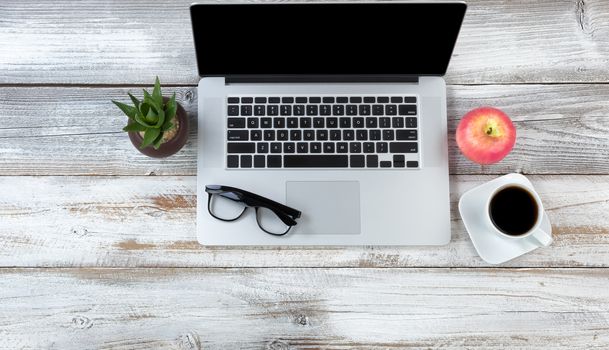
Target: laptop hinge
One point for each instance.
(307, 78)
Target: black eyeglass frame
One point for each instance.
(286, 214)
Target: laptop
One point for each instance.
(335, 109)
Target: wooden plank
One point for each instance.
(115, 42)
(562, 129)
(304, 309)
(150, 222)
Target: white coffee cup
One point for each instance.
(535, 232)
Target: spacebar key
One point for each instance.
(315, 161)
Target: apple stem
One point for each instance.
(492, 129)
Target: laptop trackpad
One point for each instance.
(328, 207)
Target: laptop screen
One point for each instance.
(326, 39)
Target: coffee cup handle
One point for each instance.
(541, 236)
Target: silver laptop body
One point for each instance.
(401, 200)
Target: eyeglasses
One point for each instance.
(229, 203)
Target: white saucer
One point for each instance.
(491, 247)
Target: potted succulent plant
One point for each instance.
(157, 126)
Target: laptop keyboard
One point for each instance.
(322, 132)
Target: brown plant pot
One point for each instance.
(170, 146)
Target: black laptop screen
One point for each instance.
(317, 38)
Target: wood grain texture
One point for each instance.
(304, 309)
(115, 42)
(562, 129)
(150, 222)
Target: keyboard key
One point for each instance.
(348, 135)
(338, 110)
(364, 110)
(381, 147)
(285, 110)
(295, 135)
(357, 161)
(411, 122)
(259, 110)
(246, 110)
(246, 161)
(397, 122)
(396, 99)
(299, 109)
(405, 134)
(233, 110)
(368, 147)
(301, 100)
(403, 147)
(259, 161)
(375, 134)
(328, 99)
(361, 135)
(269, 135)
(351, 109)
(383, 99)
(386, 164)
(312, 110)
(391, 110)
(371, 122)
(237, 135)
(315, 147)
(355, 99)
(316, 161)
(282, 135)
(335, 135)
(275, 147)
(331, 122)
(252, 123)
(274, 100)
(325, 110)
(399, 161)
(388, 135)
(305, 122)
(272, 110)
(289, 147)
(256, 135)
(358, 122)
(247, 100)
(372, 161)
(342, 99)
(308, 135)
(302, 147)
(235, 123)
(410, 99)
(233, 100)
(412, 164)
(407, 109)
(279, 123)
(273, 161)
(260, 99)
(384, 122)
(287, 100)
(322, 135)
(345, 122)
(377, 110)
(314, 99)
(355, 147)
(241, 147)
(328, 147)
(369, 99)
(232, 161)
(342, 147)
(262, 147)
(318, 122)
(266, 122)
(292, 123)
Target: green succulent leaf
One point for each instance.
(140, 117)
(166, 126)
(128, 110)
(149, 136)
(171, 107)
(135, 101)
(161, 119)
(134, 127)
(156, 92)
(159, 140)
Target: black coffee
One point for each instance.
(513, 211)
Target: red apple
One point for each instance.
(486, 135)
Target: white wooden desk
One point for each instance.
(97, 242)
